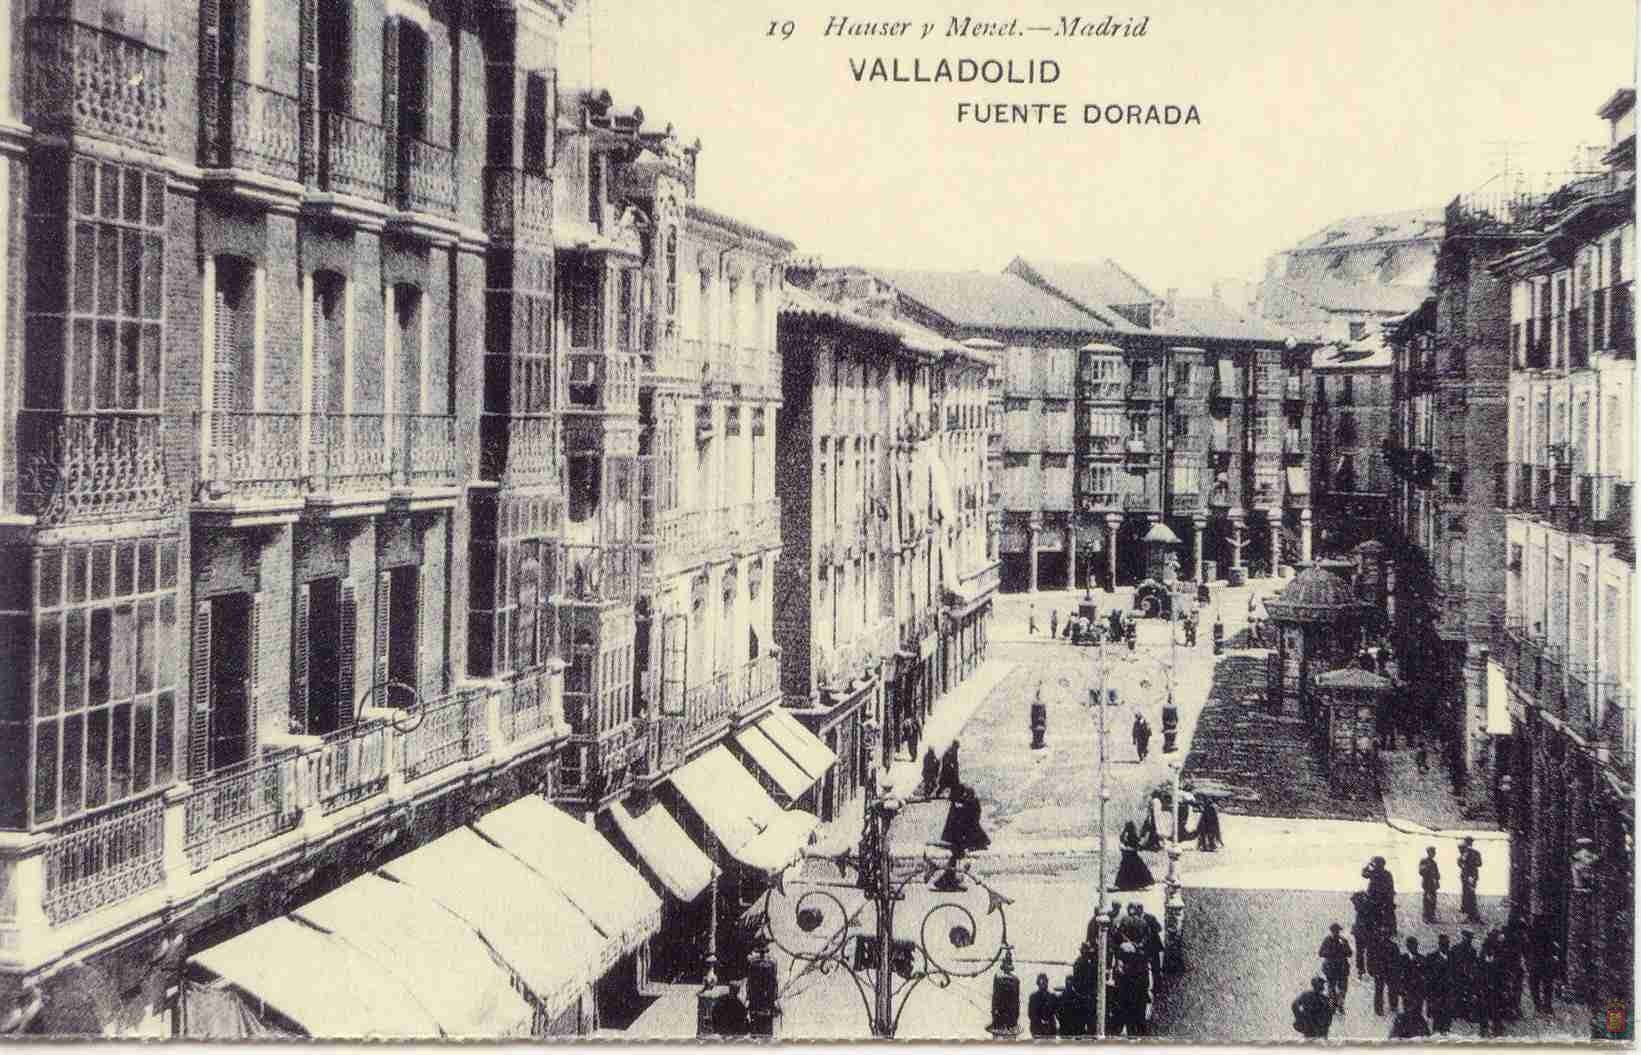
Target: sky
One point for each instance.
(1310, 111)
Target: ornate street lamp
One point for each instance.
(815, 926)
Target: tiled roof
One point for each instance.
(1376, 227)
(1369, 353)
(1358, 296)
(1095, 285)
(800, 302)
(1208, 317)
(982, 300)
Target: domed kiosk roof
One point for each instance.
(1162, 533)
(1315, 595)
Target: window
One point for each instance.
(1455, 484)
(105, 647)
(412, 81)
(233, 348)
(672, 272)
(335, 74)
(322, 657)
(581, 307)
(625, 332)
(398, 630)
(585, 487)
(537, 124)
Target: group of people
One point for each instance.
(1426, 991)
(1119, 626)
(940, 773)
(1133, 965)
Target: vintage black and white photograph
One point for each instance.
(674, 520)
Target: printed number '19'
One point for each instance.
(782, 29)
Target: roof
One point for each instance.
(1617, 105)
(1094, 285)
(695, 210)
(796, 301)
(1208, 317)
(1370, 353)
(1371, 228)
(1162, 533)
(984, 300)
(1338, 295)
(1353, 678)
(1315, 595)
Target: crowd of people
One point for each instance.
(1133, 967)
(1425, 992)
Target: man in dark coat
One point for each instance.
(1040, 1009)
(1382, 889)
(1410, 977)
(1359, 930)
(1469, 872)
(1408, 1025)
(1543, 962)
(911, 733)
(1115, 620)
(1514, 948)
(1068, 1010)
(1133, 989)
(1382, 964)
(1462, 966)
(1142, 736)
(948, 770)
(1335, 954)
(1312, 1013)
(1491, 985)
(1438, 986)
(1430, 878)
(931, 772)
(1054, 623)
(1153, 944)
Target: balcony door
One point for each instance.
(323, 661)
(412, 81)
(223, 720)
(398, 631)
(335, 53)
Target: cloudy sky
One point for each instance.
(1311, 110)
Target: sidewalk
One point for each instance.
(1424, 801)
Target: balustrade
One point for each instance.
(350, 156)
(527, 707)
(255, 455)
(240, 807)
(429, 453)
(259, 455)
(349, 452)
(426, 177)
(518, 204)
(453, 730)
(91, 466)
(103, 860)
(250, 127)
(86, 79)
(349, 767)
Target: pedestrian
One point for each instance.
(1469, 873)
(1054, 623)
(1142, 736)
(1361, 925)
(931, 773)
(912, 732)
(1430, 878)
(1115, 619)
(1040, 1009)
(1133, 989)
(1335, 953)
(1438, 986)
(1462, 966)
(1382, 964)
(1421, 757)
(1131, 634)
(1514, 948)
(1085, 983)
(1382, 888)
(1491, 985)
(1312, 1013)
(1153, 945)
(1031, 618)
(1209, 838)
(1068, 1010)
(948, 771)
(1543, 962)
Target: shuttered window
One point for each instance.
(322, 656)
(398, 632)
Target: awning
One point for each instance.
(321, 983)
(677, 863)
(585, 868)
(440, 959)
(533, 928)
(740, 815)
(1299, 481)
(787, 774)
(805, 748)
(1227, 377)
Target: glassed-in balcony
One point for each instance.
(89, 80)
(597, 574)
(350, 156)
(248, 126)
(76, 466)
(602, 381)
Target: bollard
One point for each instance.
(1005, 1000)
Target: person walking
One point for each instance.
(1382, 964)
(1335, 954)
(1491, 985)
(1469, 873)
(1054, 623)
(1209, 838)
(931, 773)
(911, 731)
(1361, 926)
(1040, 1009)
(1031, 618)
(1132, 871)
(1438, 986)
(1430, 878)
(1133, 989)
(1142, 736)
(1382, 889)
(948, 771)
(1312, 1012)
(1543, 962)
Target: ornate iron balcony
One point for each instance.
(426, 177)
(248, 126)
(91, 466)
(350, 156)
(87, 79)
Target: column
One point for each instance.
(1034, 528)
(1273, 518)
(1071, 551)
(1305, 535)
(1199, 524)
(1236, 539)
(1112, 521)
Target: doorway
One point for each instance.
(229, 734)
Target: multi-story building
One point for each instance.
(346, 493)
(886, 577)
(1347, 280)
(1352, 416)
(1565, 483)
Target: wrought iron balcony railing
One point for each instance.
(104, 859)
(602, 380)
(450, 731)
(351, 156)
(518, 205)
(424, 177)
(248, 126)
(241, 807)
(256, 455)
(76, 466)
(86, 79)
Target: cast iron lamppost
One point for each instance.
(886, 970)
(1102, 921)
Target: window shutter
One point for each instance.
(199, 713)
(427, 634)
(390, 105)
(321, 350)
(384, 587)
(299, 661)
(210, 69)
(347, 646)
(253, 694)
(224, 364)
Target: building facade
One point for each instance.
(1353, 416)
(1563, 664)
(387, 434)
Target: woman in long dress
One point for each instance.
(1208, 837)
(1132, 873)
